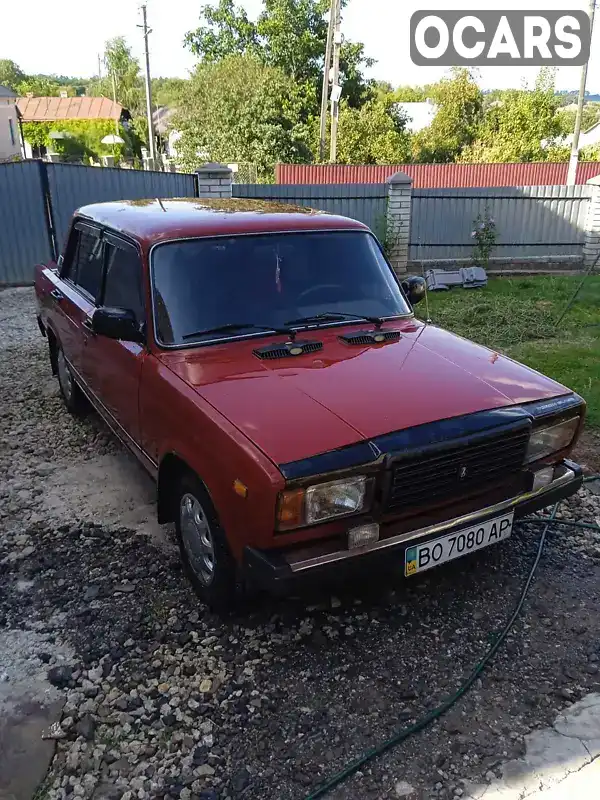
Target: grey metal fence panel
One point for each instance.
(366, 202)
(24, 237)
(530, 221)
(73, 186)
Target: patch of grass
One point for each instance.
(574, 362)
(518, 316)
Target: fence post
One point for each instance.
(398, 220)
(591, 246)
(214, 180)
(49, 211)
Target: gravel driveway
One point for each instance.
(165, 700)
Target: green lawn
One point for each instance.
(518, 316)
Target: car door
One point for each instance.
(113, 367)
(76, 292)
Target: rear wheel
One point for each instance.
(203, 545)
(72, 395)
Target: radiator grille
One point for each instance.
(455, 470)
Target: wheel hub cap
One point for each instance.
(197, 538)
(64, 376)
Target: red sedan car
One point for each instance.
(264, 364)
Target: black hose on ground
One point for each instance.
(590, 526)
(589, 478)
(404, 733)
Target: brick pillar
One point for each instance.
(214, 180)
(398, 221)
(591, 247)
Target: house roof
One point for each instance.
(6, 92)
(162, 117)
(49, 109)
(593, 127)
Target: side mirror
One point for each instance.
(117, 323)
(414, 288)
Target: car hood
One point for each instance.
(293, 408)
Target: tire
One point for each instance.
(72, 395)
(203, 546)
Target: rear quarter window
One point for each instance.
(84, 259)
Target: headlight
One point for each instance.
(335, 499)
(297, 507)
(545, 441)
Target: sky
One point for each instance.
(59, 37)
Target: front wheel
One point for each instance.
(204, 551)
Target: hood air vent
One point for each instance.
(370, 337)
(287, 349)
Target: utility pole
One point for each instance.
(151, 141)
(325, 90)
(572, 172)
(335, 77)
(99, 67)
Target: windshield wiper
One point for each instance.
(235, 326)
(334, 316)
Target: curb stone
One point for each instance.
(554, 756)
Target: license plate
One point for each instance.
(426, 556)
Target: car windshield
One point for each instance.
(201, 285)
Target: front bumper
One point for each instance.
(279, 569)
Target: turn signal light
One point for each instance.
(240, 488)
(290, 509)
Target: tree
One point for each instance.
(120, 63)
(589, 117)
(356, 90)
(166, 91)
(590, 153)
(225, 31)
(522, 126)
(239, 109)
(456, 123)
(11, 74)
(410, 94)
(289, 35)
(42, 86)
(372, 134)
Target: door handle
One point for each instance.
(57, 294)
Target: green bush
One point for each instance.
(84, 138)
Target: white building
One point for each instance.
(10, 132)
(586, 138)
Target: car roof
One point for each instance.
(155, 220)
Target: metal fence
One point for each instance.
(366, 202)
(531, 221)
(72, 186)
(37, 200)
(24, 231)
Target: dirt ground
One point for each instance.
(587, 452)
(161, 699)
